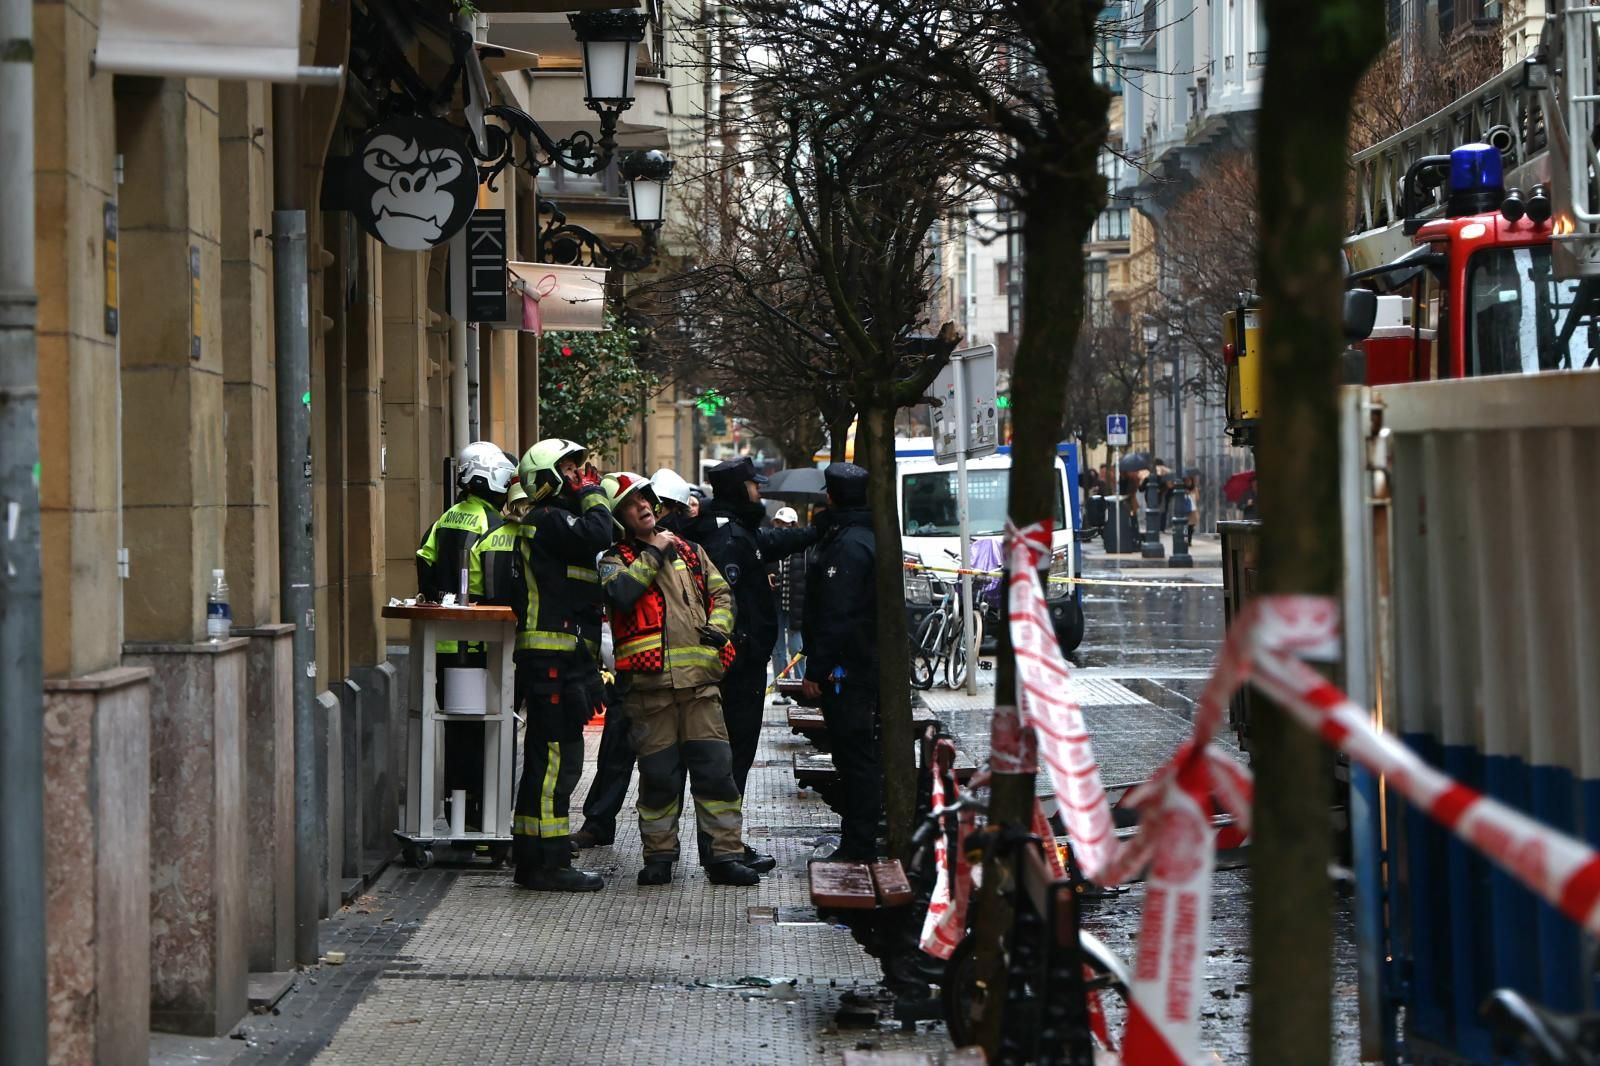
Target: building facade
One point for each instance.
(162, 199)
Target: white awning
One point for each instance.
(236, 40)
(550, 296)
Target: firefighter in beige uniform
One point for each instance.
(671, 615)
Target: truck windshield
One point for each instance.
(930, 503)
(1516, 313)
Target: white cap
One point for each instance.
(786, 514)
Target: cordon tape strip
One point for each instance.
(1268, 645)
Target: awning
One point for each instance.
(236, 40)
(551, 296)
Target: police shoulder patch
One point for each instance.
(731, 572)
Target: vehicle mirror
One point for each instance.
(1360, 313)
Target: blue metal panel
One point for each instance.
(1511, 907)
(1427, 905)
(1555, 803)
(1471, 960)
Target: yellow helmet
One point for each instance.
(537, 472)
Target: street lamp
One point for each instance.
(610, 42)
(646, 174)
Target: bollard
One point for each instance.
(1152, 547)
(1181, 506)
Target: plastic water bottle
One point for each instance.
(219, 616)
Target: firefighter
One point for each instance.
(453, 544)
(565, 522)
(671, 624)
(841, 640)
(744, 552)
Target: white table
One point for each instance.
(495, 627)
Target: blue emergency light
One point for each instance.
(1477, 180)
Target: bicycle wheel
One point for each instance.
(960, 661)
(922, 657)
(1106, 976)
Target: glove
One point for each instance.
(585, 478)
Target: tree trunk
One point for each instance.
(1052, 311)
(875, 451)
(1312, 72)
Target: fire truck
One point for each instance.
(1469, 426)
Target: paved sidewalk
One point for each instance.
(490, 973)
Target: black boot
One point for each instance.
(757, 861)
(557, 874)
(732, 872)
(656, 872)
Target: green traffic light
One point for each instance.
(1002, 402)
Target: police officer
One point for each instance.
(841, 643)
(744, 552)
(671, 624)
(565, 523)
(452, 547)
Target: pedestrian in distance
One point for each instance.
(788, 580)
(671, 616)
(841, 648)
(564, 524)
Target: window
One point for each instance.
(1112, 225)
(1515, 313)
(1096, 291)
(929, 508)
(607, 183)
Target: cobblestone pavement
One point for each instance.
(472, 969)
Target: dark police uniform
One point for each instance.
(744, 552)
(841, 644)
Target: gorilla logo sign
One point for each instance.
(415, 182)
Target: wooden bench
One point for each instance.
(858, 886)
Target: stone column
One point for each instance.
(199, 834)
(409, 500)
(252, 474)
(269, 795)
(97, 873)
(175, 478)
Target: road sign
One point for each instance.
(967, 421)
(1117, 431)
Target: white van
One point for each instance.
(926, 494)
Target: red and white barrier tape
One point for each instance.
(946, 921)
(1266, 646)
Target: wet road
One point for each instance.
(1145, 658)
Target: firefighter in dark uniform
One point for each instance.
(744, 552)
(841, 645)
(564, 524)
(453, 546)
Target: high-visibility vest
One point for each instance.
(639, 633)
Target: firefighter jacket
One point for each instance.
(671, 614)
(555, 553)
(744, 552)
(450, 546)
(841, 623)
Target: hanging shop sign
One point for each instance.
(413, 184)
(558, 297)
(486, 266)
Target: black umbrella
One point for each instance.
(796, 484)
(1134, 462)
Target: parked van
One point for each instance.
(926, 494)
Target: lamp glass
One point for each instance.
(647, 201)
(1152, 334)
(608, 70)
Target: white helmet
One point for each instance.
(670, 487)
(482, 460)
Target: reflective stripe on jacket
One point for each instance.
(660, 602)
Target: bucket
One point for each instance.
(466, 690)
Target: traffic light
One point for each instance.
(711, 402)
(1002, 402)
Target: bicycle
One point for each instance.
(1533, 1034)
(1057, 1009)
(940, 641)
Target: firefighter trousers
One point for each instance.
(677, 731)
(552, 762)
